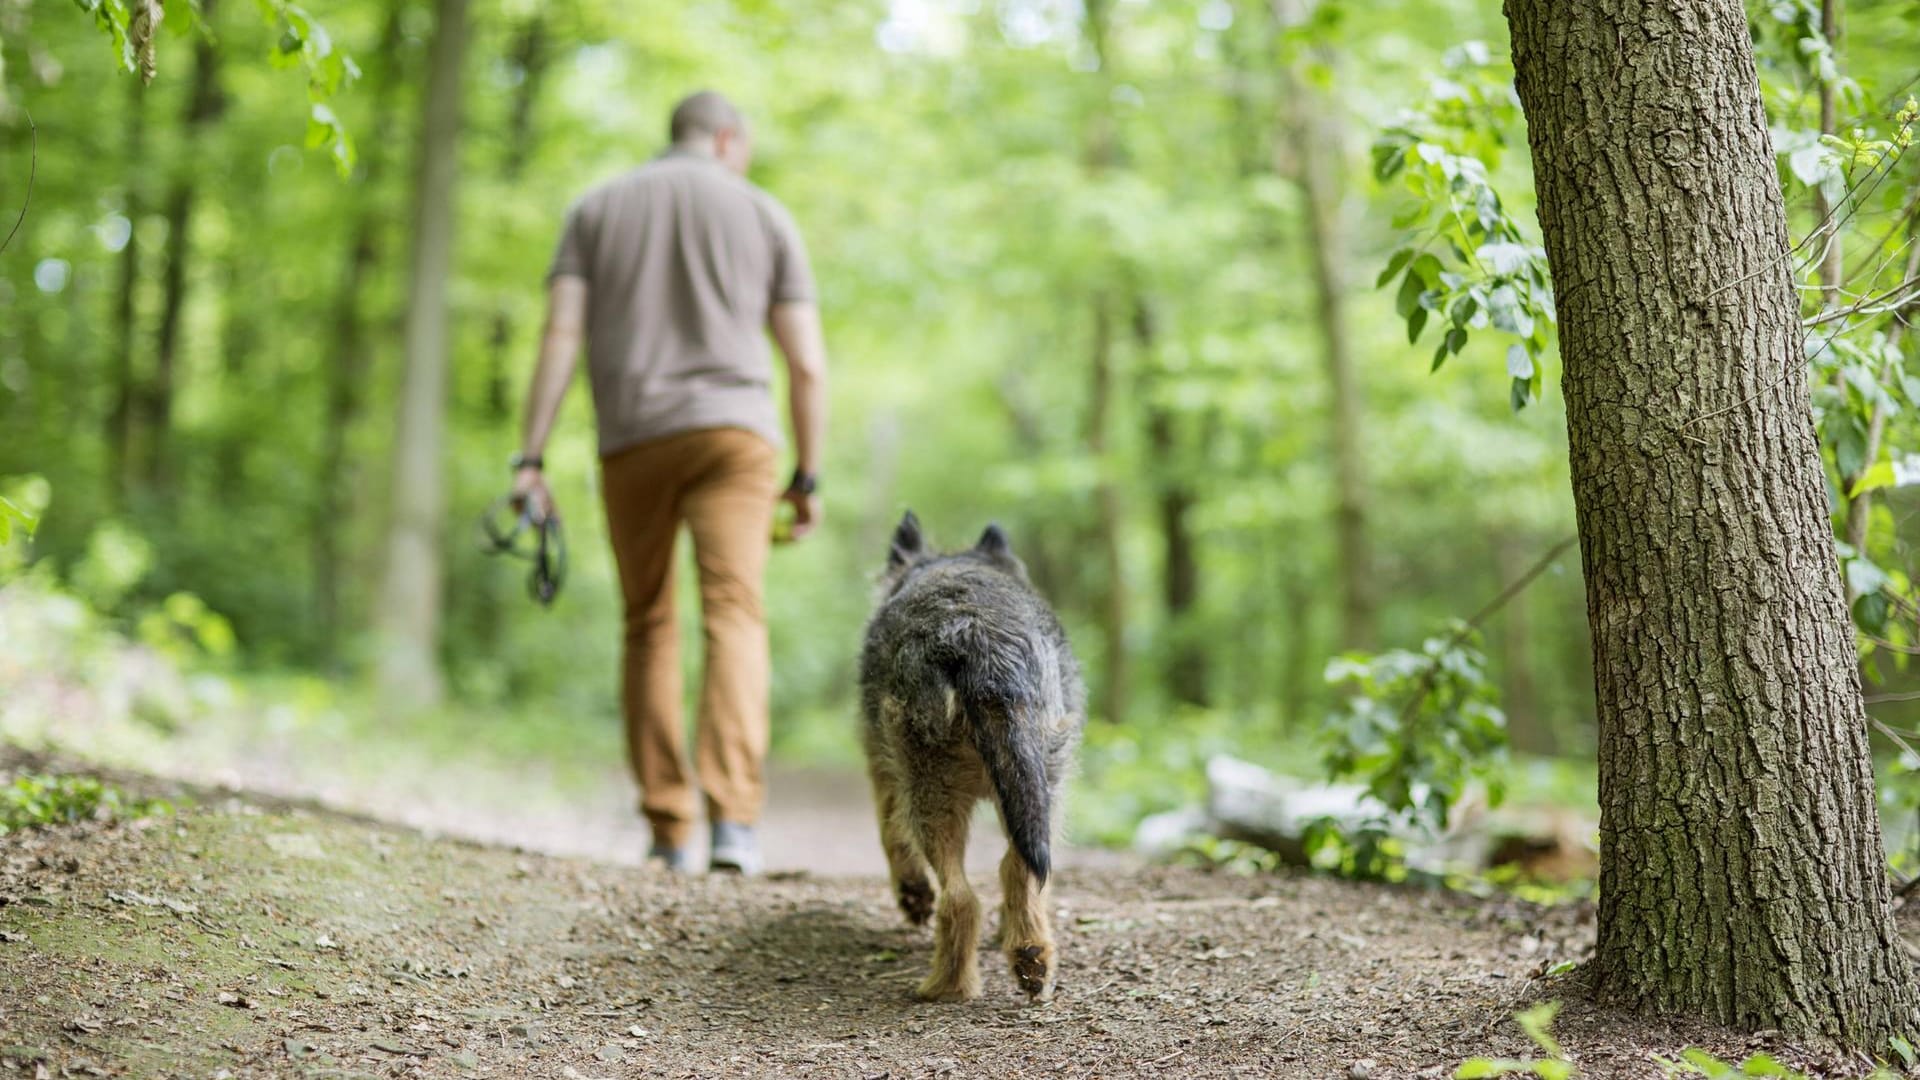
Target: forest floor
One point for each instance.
(246, 936)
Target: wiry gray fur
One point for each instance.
(967, 675)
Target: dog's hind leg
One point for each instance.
(906, 870)
(939, 816)
(1026, 933)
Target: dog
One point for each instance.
(969, 690)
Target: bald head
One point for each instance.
(706, 123)
(704, 114)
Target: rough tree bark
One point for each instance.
(1314, 144)
(1742, 876)
(350, 366)
(408, 620)
(204, 104)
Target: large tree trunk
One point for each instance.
(350, 366)
(203, 107)
(1742, 876)
(409, 614)
(1313, 137)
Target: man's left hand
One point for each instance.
(806, 511)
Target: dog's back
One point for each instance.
(970, 690)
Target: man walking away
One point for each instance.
(672, 273)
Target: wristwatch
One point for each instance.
(803, 483)
(522, 461)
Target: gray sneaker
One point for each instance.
(672, 858)
(735, 849)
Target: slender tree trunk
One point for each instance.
(530, 54)
(1315, 147)
(203, 107)
(239, 338)
(1180, 566)
(351, 366)
(120, 415)
(409, 612)
(1742, 876)
(1103, 154)
(1106, 497)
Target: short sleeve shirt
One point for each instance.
(683, 261)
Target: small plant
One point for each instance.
(1417, 728)
(1537, 1022)
(33, 801)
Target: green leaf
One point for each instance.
(1428, 269)
(11, 514)
(1904, 1049)
(1519, 362)
(1456, 340)
(1481, 1068)
(1394, 265)
(1879, 476)
(1407, 300)
(1464, 311)
(1503, 258)
(1418, 322)
(322, 124)
(1518, 393)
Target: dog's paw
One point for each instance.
(916, 899)
(1033, 970)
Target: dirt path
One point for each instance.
(239, 941)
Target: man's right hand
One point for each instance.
(530, 494)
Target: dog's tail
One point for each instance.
(1011, 739)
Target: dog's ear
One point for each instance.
(994, 542)
(907, 542)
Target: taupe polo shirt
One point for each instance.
(682, 260)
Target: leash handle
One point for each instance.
(547, 553)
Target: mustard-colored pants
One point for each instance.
(721, 485)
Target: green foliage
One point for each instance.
(1467, 264)
(1537, 1022)
(14, 516)
(1696, 1062)
(305, 44)
(1418, 728)
(184, 629)
(36, 800)
(302, 43)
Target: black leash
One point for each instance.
(544, 544)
